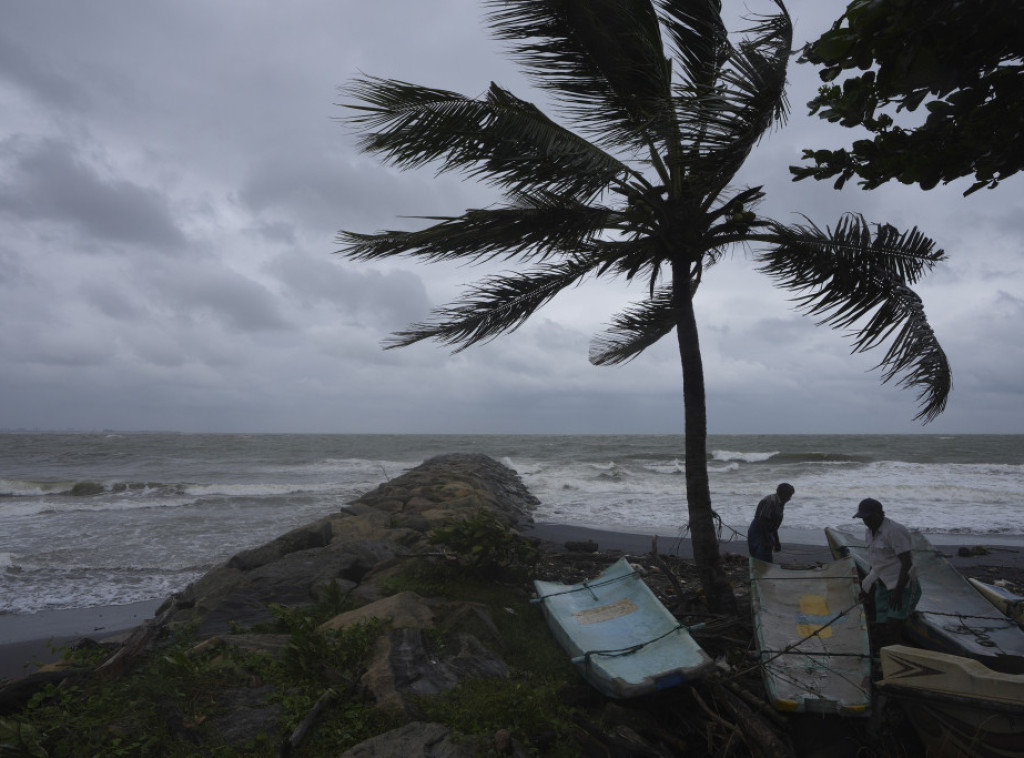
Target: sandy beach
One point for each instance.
(27, 641)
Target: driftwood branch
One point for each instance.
(758, 704)
(306, 724)
(620, 740)
(667, 571)
(763, 739)
(729, 727)
(136, 643)
(16, 693)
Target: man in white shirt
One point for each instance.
(893, 573)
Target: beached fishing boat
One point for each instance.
(958, 706)
(951, 617)
(619, 635)
(813, 637)
(1010, 604)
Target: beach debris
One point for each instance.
(968, 552)
(297, 736)
(587, 546)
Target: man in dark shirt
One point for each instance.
(763, 532)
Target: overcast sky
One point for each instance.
(173, 174)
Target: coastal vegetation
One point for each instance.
(661, 108)
(961, 63)
(180, 698)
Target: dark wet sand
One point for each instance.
(26, 640)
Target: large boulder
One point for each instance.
(408, 662)
(432, 646)
(428, 740)
(317, 534)
(406, 609)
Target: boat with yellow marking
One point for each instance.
(813, 637)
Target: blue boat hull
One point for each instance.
(620, 637)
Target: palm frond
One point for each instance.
(634, 330)
(534, 227)
(749, 99)
(499, 139)
(602, 59)
(631, 257)
(699, 39)
(759, 68)
(852, 275)
(497, 305)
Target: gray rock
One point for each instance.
(247, 714)
(405, 663)
(271, 645)
(239, 609)
(230, 596)
(312, 535)
(420, 739)
(406, 609)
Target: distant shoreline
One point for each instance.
(28, 638)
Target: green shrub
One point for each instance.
(485, 544)
(528, 706)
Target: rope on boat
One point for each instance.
(981, 633)
(1005, 619)
(614, 652)
(621, 651)
(816, 690)
(586, 584)
(824, 653)
(799, 642)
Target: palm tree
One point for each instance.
(665, 110)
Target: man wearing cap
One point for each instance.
(763, 531)
(893, 573)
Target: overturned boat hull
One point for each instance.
(619, 635)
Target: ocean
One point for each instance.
(110, 519)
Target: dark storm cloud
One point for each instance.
(47, 179)
(388, 300)
(333, 191)
(12, 271)
(113, 301)
(36, 76)
(232, 301)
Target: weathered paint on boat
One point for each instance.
(1008, 603)
(813, 637)
(958, 706)
(619, 635)
(951, 617)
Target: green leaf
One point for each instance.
(833, 45)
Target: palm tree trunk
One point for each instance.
(698, 490)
